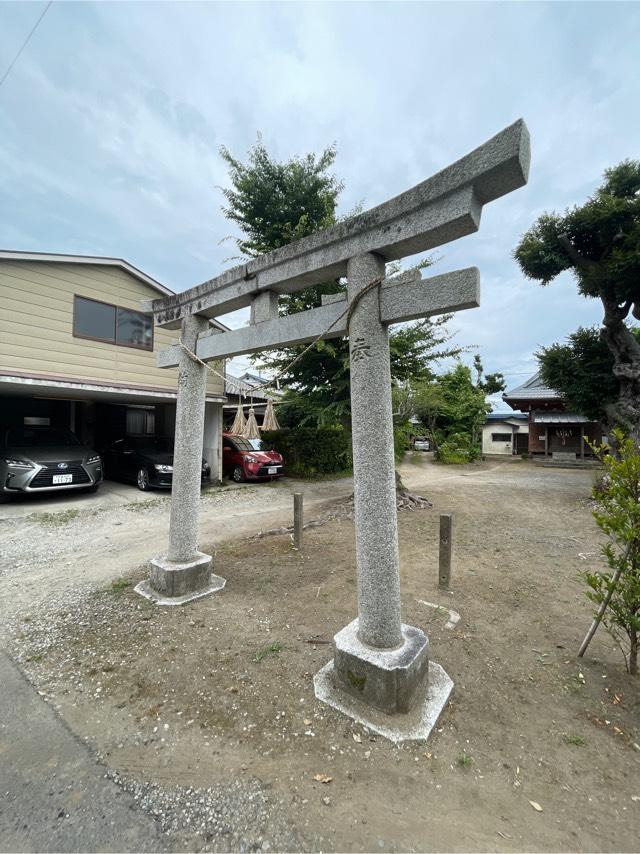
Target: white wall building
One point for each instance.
(506, 434)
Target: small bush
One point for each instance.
(601, 483)
(457, 449)
(401, 434)
(617, 514)
(311, 451)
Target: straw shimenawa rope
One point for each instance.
(269, 421)
(239, 422)
(251, 430)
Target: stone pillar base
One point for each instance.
(173, 583)
(416, 725)
(392, 680)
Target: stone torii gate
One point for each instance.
(380, 673)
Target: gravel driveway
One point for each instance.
(72, 546)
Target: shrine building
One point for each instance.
(554, 431)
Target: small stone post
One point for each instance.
(444, 563)
(376, 657)
(298, 520)
(184, 573)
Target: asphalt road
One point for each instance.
(53, 794)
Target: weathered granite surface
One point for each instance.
(416, 725)
(187, 450)
(401, 298)
(374, 484)
(172, 578)
(172, 583)
(442, 208)
(392, 680)
(184, 573)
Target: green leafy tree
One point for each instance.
(617, 514)
(464, 408)
(452, 409)
(274, 203)
(428, 404)
(581, 371)
(489, 383)
(599, 242)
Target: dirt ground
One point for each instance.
(220, 692)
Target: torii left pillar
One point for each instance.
(184, 573)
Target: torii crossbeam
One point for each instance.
(381, 668)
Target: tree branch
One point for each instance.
(624, 309)
(578, 259)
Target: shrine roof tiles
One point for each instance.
(532, 389)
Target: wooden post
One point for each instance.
(582, 441)
(298, 520)
(444, 571)
(546, 440)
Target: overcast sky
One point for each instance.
(111, 121)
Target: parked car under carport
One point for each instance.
(146, 461)
(246, 459)
(44, 459)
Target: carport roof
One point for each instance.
(70, 388)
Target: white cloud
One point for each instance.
(110, 124)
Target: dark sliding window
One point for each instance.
(134, 328)
(93, 319)
(100, 321)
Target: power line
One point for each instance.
(25, 42)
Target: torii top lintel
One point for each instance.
(441, 209)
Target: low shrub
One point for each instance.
(311, 451)
(401, 443)
(457, 449)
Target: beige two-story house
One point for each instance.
(77, 351)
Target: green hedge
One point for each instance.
(457, 449)
(401, 444)
(310, 451)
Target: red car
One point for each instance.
(244, 459)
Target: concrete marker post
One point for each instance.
(298, 520)
(444, 561)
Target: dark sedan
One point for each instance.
(146, 461)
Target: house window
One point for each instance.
(501, 437)
(101, 321)
(93, 319)
(134, 328)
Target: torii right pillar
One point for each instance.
(380, 674)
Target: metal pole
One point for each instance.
(377, 560)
